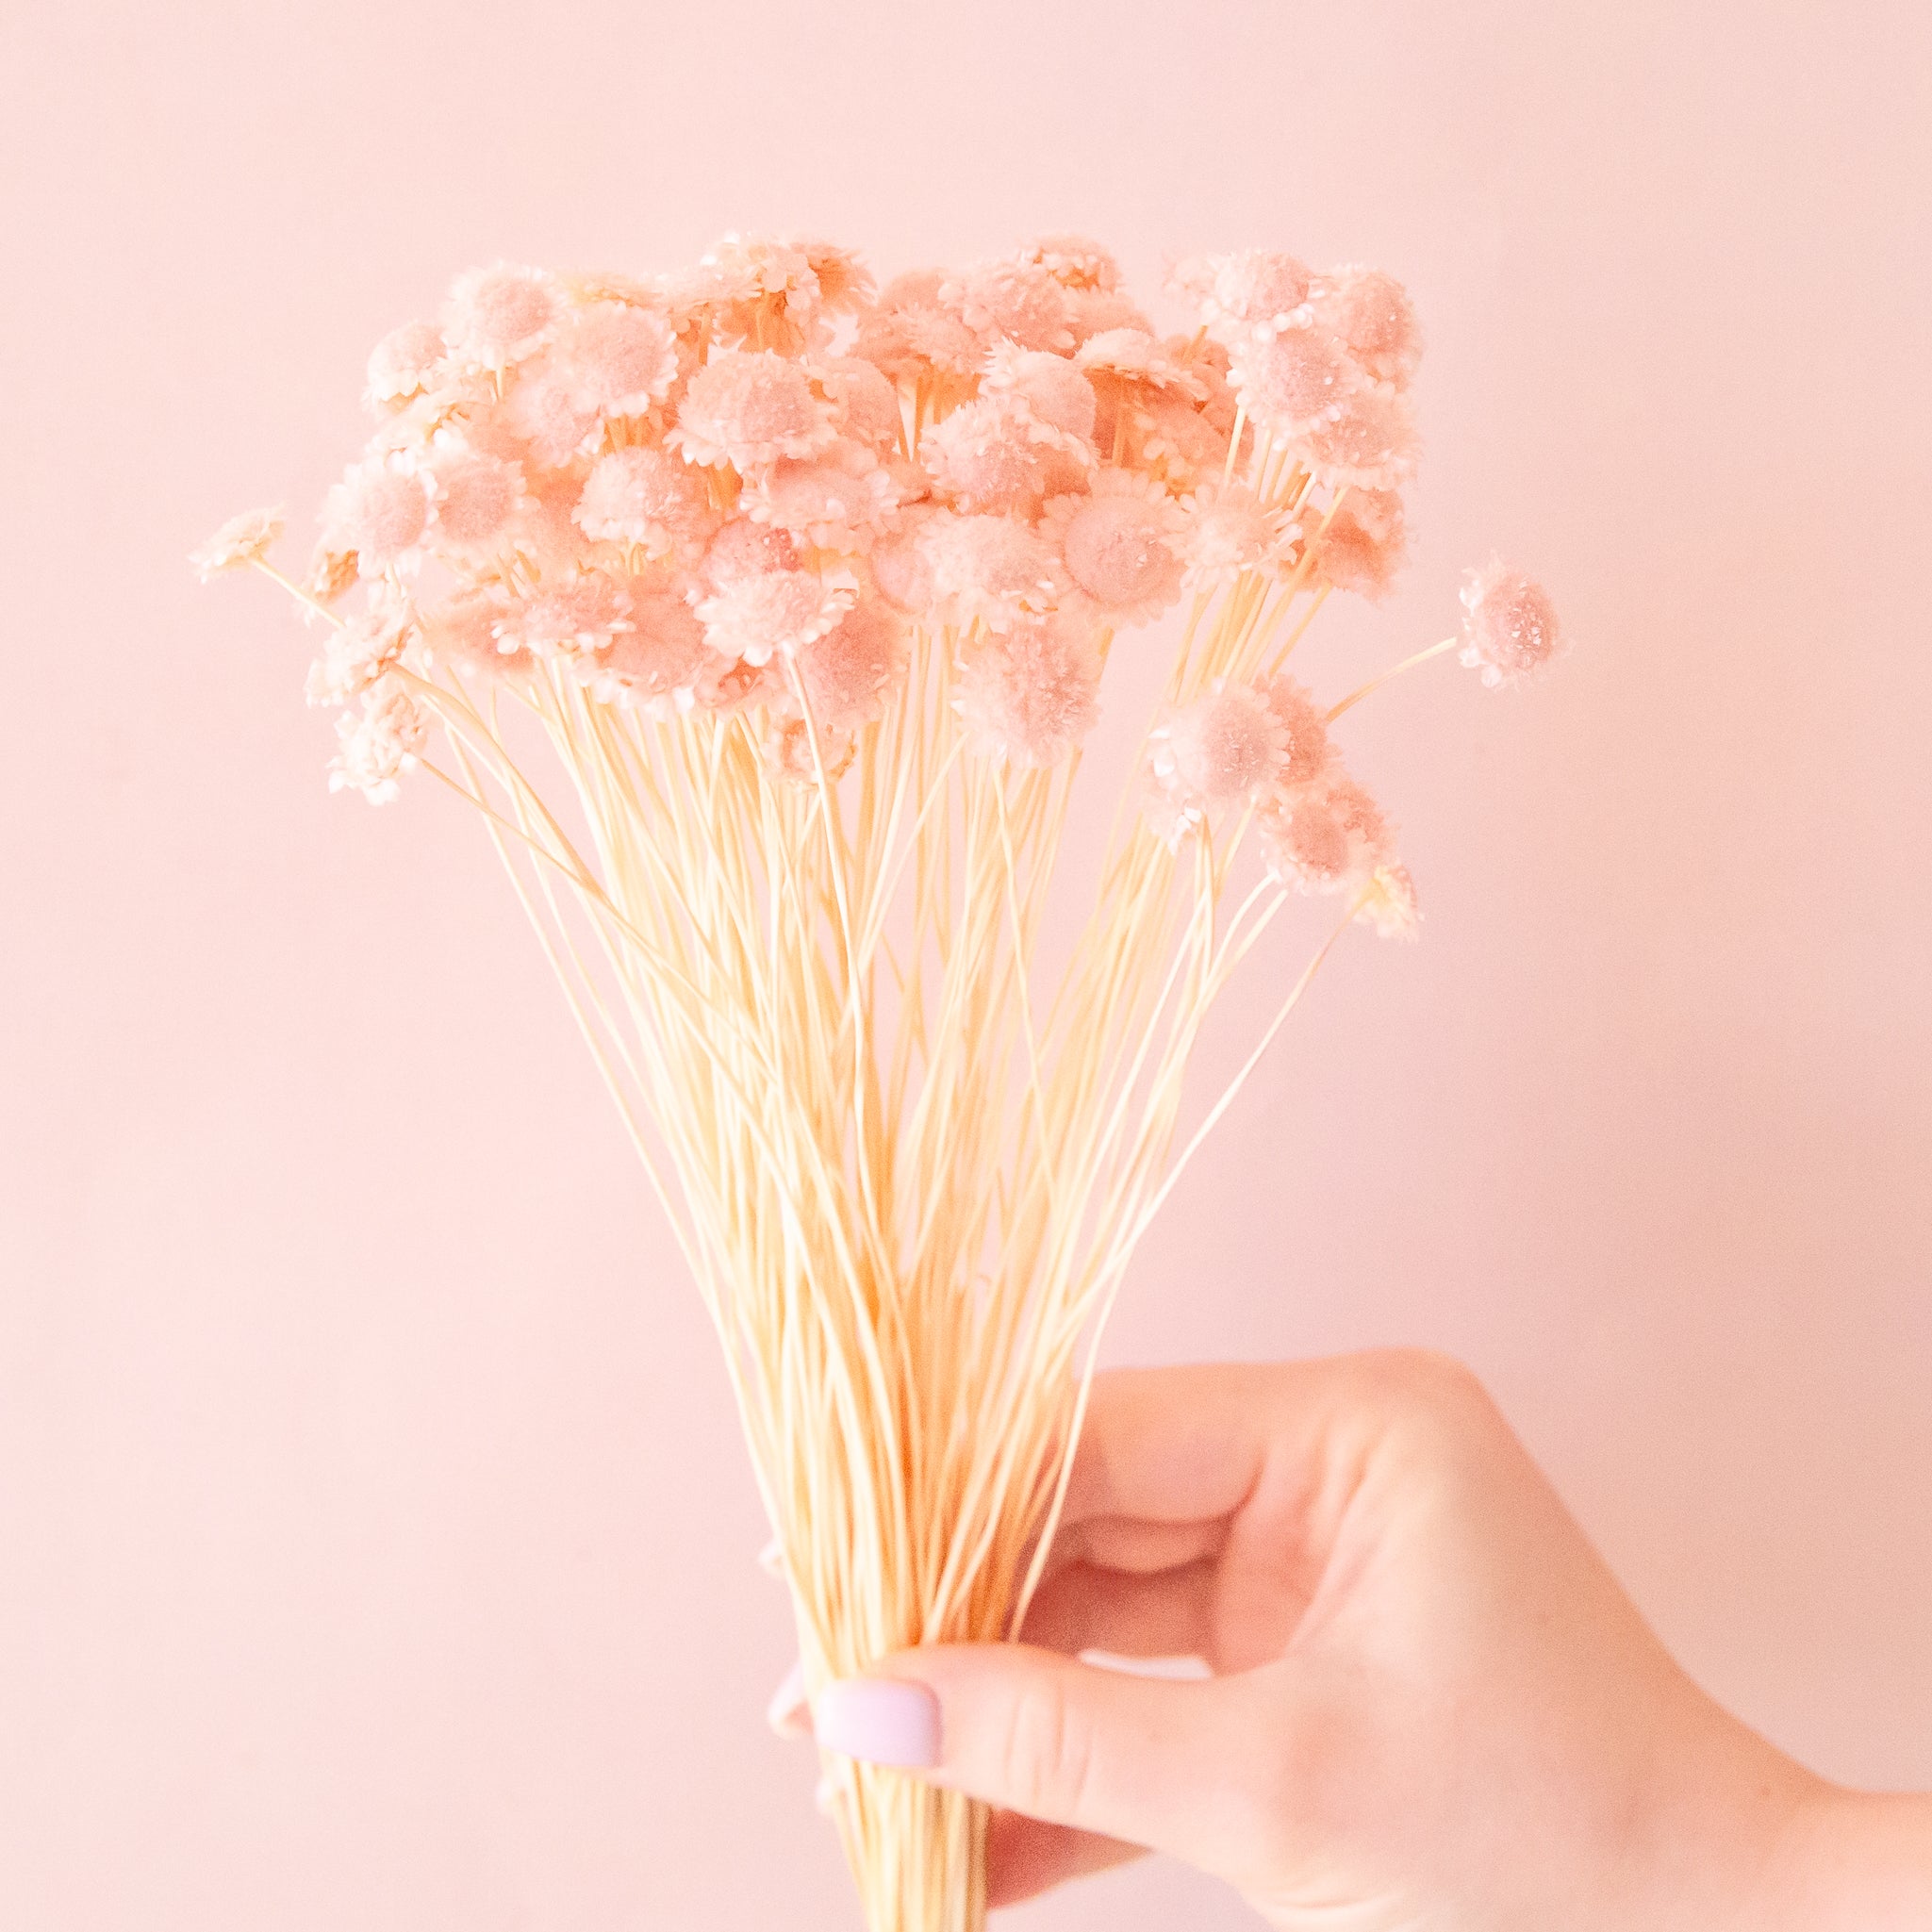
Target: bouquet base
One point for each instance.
(918, 1854)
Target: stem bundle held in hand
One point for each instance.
(762, 618)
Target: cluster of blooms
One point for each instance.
(758, 486)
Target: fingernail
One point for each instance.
(880, 1720)
(786, 1713)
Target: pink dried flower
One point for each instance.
(1373, 316)
(241, 541)
(751, 618)
(1304, 724)
(1123, 545)
(645, 497)
(376, 745)
(1135, 358)
(586, 613)
(838, 502)
(910, 338)
(744, 549)
(1177, 440)
(1226, 748)
(1294, 379)
(865, 405)
(1390, 905)
(477, 499)
(1029, 696)
(405, 363)
(765, 291)
(498, 315)
(844, 280)
(1073, 261)
(1370, 445)
(548, 417)
(902, 560)
(1058, 401)
(660, 663)
(1510, 628)
(847, 674)
(1020, 301)
(985, 458)
(1229, 528)
(357, 655)
(1257, 290)
(994, 571)
(464, 633)
(1320, 838)
(622, 359)
(1360, 546)
(750, 407)
(1093, 311)
(381, 511)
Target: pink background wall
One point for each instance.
(375, 1549)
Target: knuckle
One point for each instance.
(1046, 1755)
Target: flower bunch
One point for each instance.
(807, 591)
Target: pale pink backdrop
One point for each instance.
(376, 1547)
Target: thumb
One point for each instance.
(1154, 1762)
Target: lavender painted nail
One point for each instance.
(880, 1720)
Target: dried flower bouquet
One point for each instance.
(762, 618)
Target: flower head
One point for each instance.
(1229, 528)
(1073, 261)
(995, 570)
(750, 407)
(586, 613)
(498, 315)
(381, 511)
(645, 497)
(659, 663)
(1123, 545)
(1371, 315)
(1369, 445)
(751, 618)
(1358, 544)
(241, 541)
(902, 560)
(865, 404)
(355, 654)
(744, 549)
(847, 674)
(988, 457)
(1014, 300)
(380, 742)
(477, 500)
(622, 359)
(1091, 312)
(1294, 379)
(1057, 399)
(1389, 904)
(465, 633)
(1257, 290)
(1226, 748)
(1307, 753)
(1027, 696)
(405, 363)
(548, 418)
(840, 500)
(1510, 628)
(1323, 837)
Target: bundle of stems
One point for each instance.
(906, 1164)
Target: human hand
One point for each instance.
(1432, 1709)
